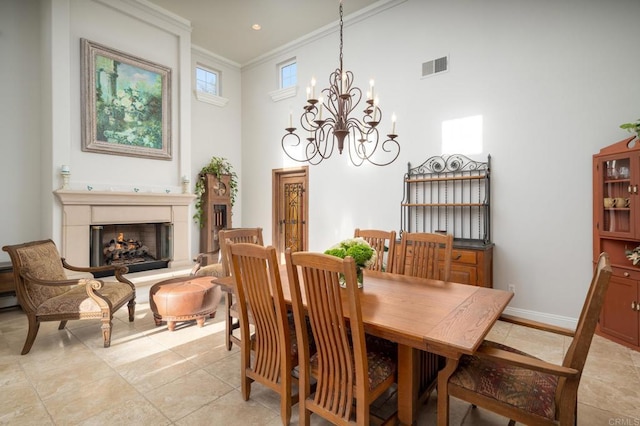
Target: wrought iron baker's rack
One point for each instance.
(449, 194)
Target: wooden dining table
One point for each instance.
(444, 318)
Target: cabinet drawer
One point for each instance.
(464, 256)
(461, 256)
(625, 273)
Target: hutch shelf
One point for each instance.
(451, 194)
(616, 230)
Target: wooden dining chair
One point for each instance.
(519, 386)
(268, 353)
(420, 254)
(347, 376)
(383, 242)
(235, 235)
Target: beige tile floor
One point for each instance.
(152, 376)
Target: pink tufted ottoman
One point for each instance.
(184, 299)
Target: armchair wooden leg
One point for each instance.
(34, 325)
(106, 332)
(132, 309)
(62, 325)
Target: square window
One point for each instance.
(288, 74)
(206, 81)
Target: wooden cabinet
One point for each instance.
(470, 264)
(451, 194)
(619, 317)
(217, 211)
(7, 284)
(616, 230)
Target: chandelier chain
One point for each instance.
(341, 40)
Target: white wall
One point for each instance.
(552, 80)
(216, 129)
(20, 162)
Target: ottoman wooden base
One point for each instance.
(184, 299)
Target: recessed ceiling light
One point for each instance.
(256, 27)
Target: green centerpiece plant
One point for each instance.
(361, 252)
(218, 166)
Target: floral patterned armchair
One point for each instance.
(46, 294)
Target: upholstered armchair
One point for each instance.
(519, 386)
(46, 294)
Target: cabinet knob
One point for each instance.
(626, 274)
(633, 306)
(635, 189)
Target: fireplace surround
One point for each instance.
(84, 210)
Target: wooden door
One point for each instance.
(290, 210)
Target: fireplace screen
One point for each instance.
(139, 246)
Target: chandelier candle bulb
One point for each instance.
(313, 88)
(375, 109)
(320, 108)
(370, 92)
(344, 83)
(393, 124)
(290, 119)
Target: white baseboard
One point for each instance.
(557, 320)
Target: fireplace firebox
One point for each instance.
(139, 246)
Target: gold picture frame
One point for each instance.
(126, 103)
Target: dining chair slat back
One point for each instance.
(257, 279)
(384, 243)
(420, 254)
(234, 235)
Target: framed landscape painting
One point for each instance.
(126, 104)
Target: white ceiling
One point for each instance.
(223, 27)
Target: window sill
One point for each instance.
(211, 99)
(280, 94)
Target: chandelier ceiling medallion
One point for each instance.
(326, 120)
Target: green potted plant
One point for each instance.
(633, 127)
(218, 166)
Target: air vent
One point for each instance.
(435, 66)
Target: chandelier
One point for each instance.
(326, 121)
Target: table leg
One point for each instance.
(408, 384)
(443, 395)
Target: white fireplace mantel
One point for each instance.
(83, 209)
